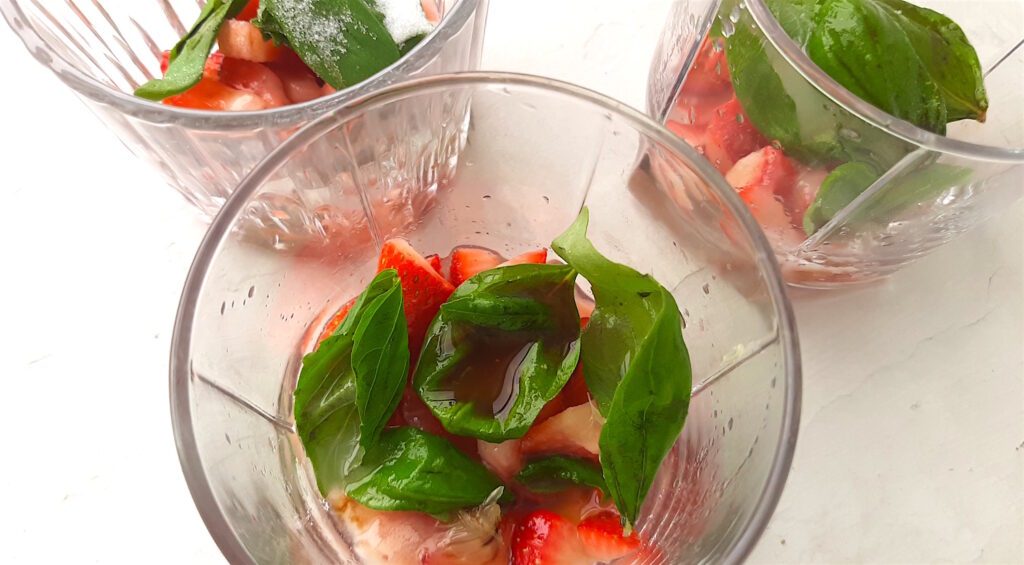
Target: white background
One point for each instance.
(911, 445)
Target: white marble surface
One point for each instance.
(911, 445)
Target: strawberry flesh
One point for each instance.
(467, 261)
(423, 289)
(603, 538)
(545, 538)
(730, 136)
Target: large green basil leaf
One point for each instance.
(409, 469)
(558, 472)
(504, 344)
(188, 57)
(632, 347)
(860, 45)
(947, 55)
(346, 388)
(343, 41)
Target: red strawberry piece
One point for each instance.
(730, 136)
(255, 78)
(710, 71)
(335, 321)
(423, 289)
(435, 262)
(537, 257)
(210, 70)
(467, 261)
(574, 431)
(211, 94)
(545, 538)
(249, 11)
(243, 40)
(603, 538)
(300, 82)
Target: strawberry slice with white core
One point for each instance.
(255, 78)
(603, 538)
(504, 459)
(537, 257)
(242, 40)
(467, 261)
(762, 179)
(423, 289)
(574, 431)
(545, 538)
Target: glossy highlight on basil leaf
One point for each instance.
(343, 41)
(188, 57)
(504, 344)
(557, 473)
(350, 377)
(635, 364)
(409, 469)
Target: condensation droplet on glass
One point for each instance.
(252, 290)
(223, 305)
(734, 15)
(728, 27)
(487, 197)
(706, 288)
(546, 199)
(729, 424)
(777, 145)
(849, 134)
(773, 382)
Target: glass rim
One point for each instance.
(877, 117)
(180, 382)
(153, 111)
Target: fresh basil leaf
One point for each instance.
(409, 469)
(947, 55)
(343, 41)
(860, 45)
(491, 360)
(844, 184)
(557, 473)
(924, 183)
(380, 359)
(270, 27)
(188, 57)
(408, 45)
(508, 313)
(345, 391)
(633, 347)
(759, 89)
(795, 16)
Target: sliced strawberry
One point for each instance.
(504, 459)
(572, 394)
(254, 78)
(537, 257)
(767, 170)
(242, 40)
(210, 70)
(695, 109)
(603, 538)
(211, 94)
(300, 82)
(710, 71)
(249, 11)
(435, 262)
(423, 289)
(430, 11)
(574, 431)
(467, 261)
(545, 538)
(730, 136)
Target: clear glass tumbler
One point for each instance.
(932, 187)
(103, 50)
(534, 151)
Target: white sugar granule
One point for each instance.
(404, 19)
